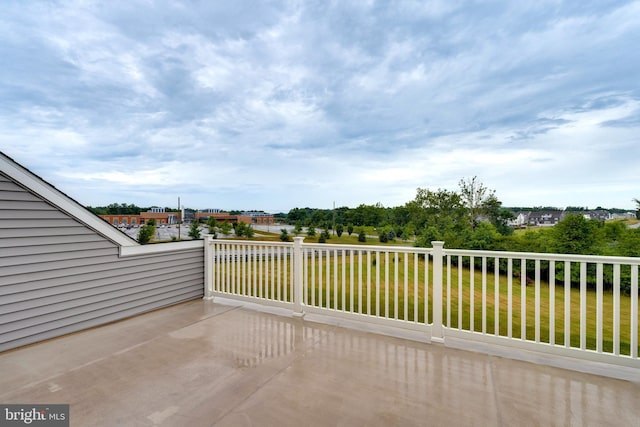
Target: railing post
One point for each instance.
(437, 332)
(208, 267)
(297, 277)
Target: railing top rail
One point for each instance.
(545, 256)
(252, 242)
(372, 248)
(454, 252)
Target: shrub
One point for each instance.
(194, 230)
(145, 234)
(362, 237)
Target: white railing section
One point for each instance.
(380, 284)
(258, 271)
(573, 305)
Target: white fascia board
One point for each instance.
(156, 248)
(63, 202)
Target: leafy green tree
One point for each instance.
(226, 228)
(213, 226)
(637, 202)
(145, 234)
(484, 237)
(614, 230)
(339, 229)
(362, 237)
(297, 229)
(322, 238)
(311, 231)
(474, 195)
(284, 235)
(326, 233)
(349, 229)
(239, 229)
(629, 243)
(194, 230)
(152, 222)
(249, 231)
(499, 217)
(439, 215)
(574, 235)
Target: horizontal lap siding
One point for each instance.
(59, 276)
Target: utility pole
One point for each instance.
(180, 220)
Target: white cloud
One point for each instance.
(253, 105)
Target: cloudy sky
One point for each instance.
(248, 105)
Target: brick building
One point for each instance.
(159, 214)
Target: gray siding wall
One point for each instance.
(59, 276)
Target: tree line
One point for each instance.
(123, 209)
(473, 218)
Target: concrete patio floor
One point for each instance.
(205, 364)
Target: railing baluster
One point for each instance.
(226, 278)
(567, 304)
(426, 289)
(583, 305)
(273, 271)
(484, 294)
(552, 302)
(328, 279)
(395, 285)
(279, 259)
(359, 281)
(285, 276)
(344, 281)
(496, 296)
(459, 292)
(378, 283)
(386, 284)
(305, 275)
(523, 299)
(510, 297)
(599, 292)
(616, 309)
(406, 287)
(537, 300)
(312, 261)
(260, 271)
(335, 279)
(634, 312)
(416, 266)
(351, 287)
(472, 294)
(369, 282)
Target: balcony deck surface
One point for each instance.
(206, 364)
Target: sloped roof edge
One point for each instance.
(48, 192)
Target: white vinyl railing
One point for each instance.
(574, 305)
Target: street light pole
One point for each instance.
(180, 220)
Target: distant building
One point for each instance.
(156, 213)
(544, 218)
(260, 218)
(250, 217)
